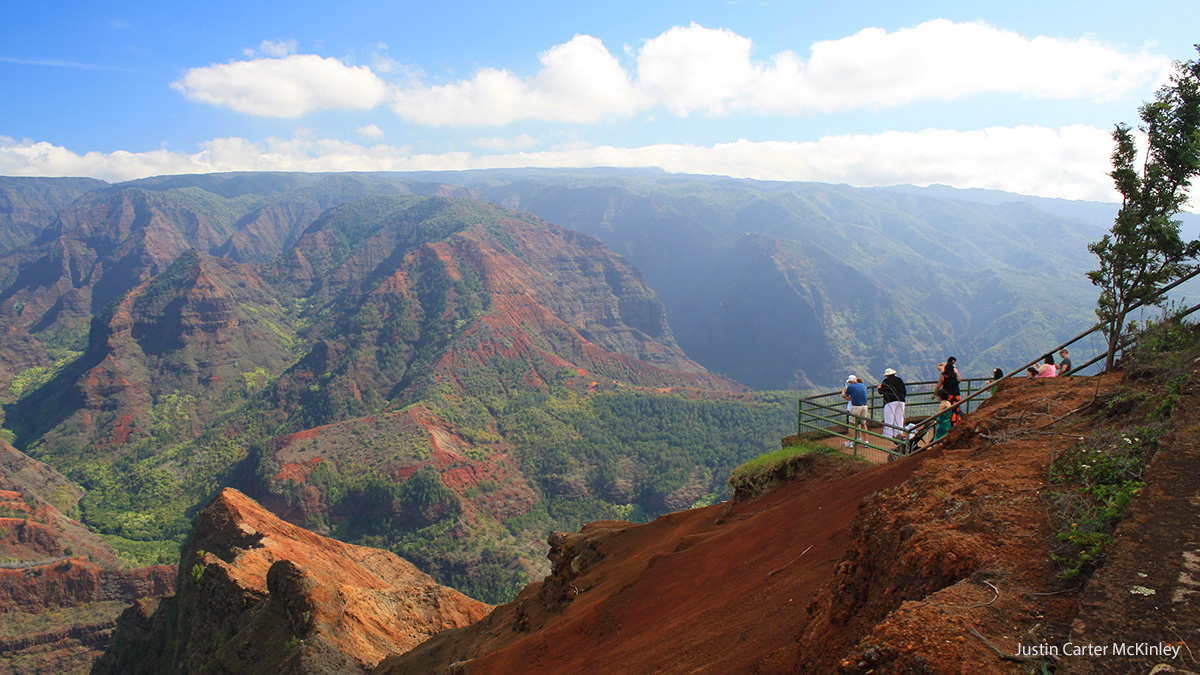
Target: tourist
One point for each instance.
(1064, 366)
(944, 419)
(856, 393)
(893, 392)
(997, 374)
(1048, 369)
(949, 380)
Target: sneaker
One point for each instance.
(847, 444)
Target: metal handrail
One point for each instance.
(810, 409)
(922, 427)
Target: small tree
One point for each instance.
(1144, 252)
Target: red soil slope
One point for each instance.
(934, 564)
(716, 589)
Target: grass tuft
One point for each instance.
(757, 476)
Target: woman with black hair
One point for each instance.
(949, 381)
(1048, 369)
(997, 374)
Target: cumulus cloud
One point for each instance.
(943, 60)
(580, 81)
(284, 87)
(696, 68)
(689, 69)
(711, 71)
(702, 69)
(1070, 162)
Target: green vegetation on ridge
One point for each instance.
(1095, 480)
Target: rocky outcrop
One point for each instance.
(939, 563)
(258, 593)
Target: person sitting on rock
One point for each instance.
(943, 421)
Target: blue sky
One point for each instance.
(1018, 96)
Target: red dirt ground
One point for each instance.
(715, 590)
(938, 563)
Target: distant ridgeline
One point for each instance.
(413, 361)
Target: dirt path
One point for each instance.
(1147, 593)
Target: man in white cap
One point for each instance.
(856, 393)
(893, 392)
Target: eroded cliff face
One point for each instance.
(258, 594)
(61, 586)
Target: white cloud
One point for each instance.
(382, 63)
(370, 131)
(696, 68)
(942, 60)
(1070, 162)
(580, 81)
(275, 48)
(690, 69)
(284, 87)
(522, 142)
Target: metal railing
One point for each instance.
(827, 413)
(823, 413)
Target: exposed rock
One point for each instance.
(257, 592)
(55, 568)
(71, 581)
(164, 359)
